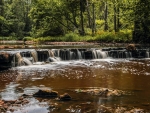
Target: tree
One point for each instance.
(106, 16)
(46, 18)
(1, 15)
(141, 32)
(16, 22)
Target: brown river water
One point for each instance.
(129, 75)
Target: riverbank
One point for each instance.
(32, 44)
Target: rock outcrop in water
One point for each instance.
(45, 93)
(103, 92)
(65, 97)
(5, 60)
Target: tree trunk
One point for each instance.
(1, 14)
(88, 14)
(105, 16)
(118, 18)
(93, 22)
(82, 32)
(115, 18)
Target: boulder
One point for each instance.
(1, 103)
(65, 97)
(45, 93)
(5, 60)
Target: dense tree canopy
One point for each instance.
(142, 22)
(40, 18)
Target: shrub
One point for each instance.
(71, 37)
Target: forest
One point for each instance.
(75, 20)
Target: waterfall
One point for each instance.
(53, 59)
(82, 53)
(99, 55)
(147, 54)
(104, 54)
(79, 55)
(27, 57)
(130, 54)
(43, 55)
(94, 55)
(56, 52)
(34, 55)
(19, 60)
(51, 53)
(126, 54)
(72, 55)
(68, 54)
(26, 61)
(114, 54)
(62, 55)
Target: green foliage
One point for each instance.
(71, 37)
(66, 20)
(101, 36)
(142, 22)
(8, 38)
(46, 18)
(123, 36)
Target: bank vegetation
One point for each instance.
(75, 20)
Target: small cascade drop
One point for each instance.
(104, 54)
(127, 54)
(99, 55)
(51, 53)
(43, 55)
(79, 55)
(56, 52)
(82, 53)
(62, 55)
(147, 54)
(26, 61)
(72, 55)
(68, 54)
(34, 55)
(94, 55)
(19, 60)
(130, 54)
(53, 59)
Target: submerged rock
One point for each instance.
(104, 109)
(5, 60)
(120, 110)
(103, 92)
(45, 93)
(1, 102)
(137, 110)
(65, 97)
(11, 105)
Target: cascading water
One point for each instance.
(79, 55)
(34, 55)
(27, 61)
(43, 55)
(28, 57)
(94, 54)
(19, 60)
